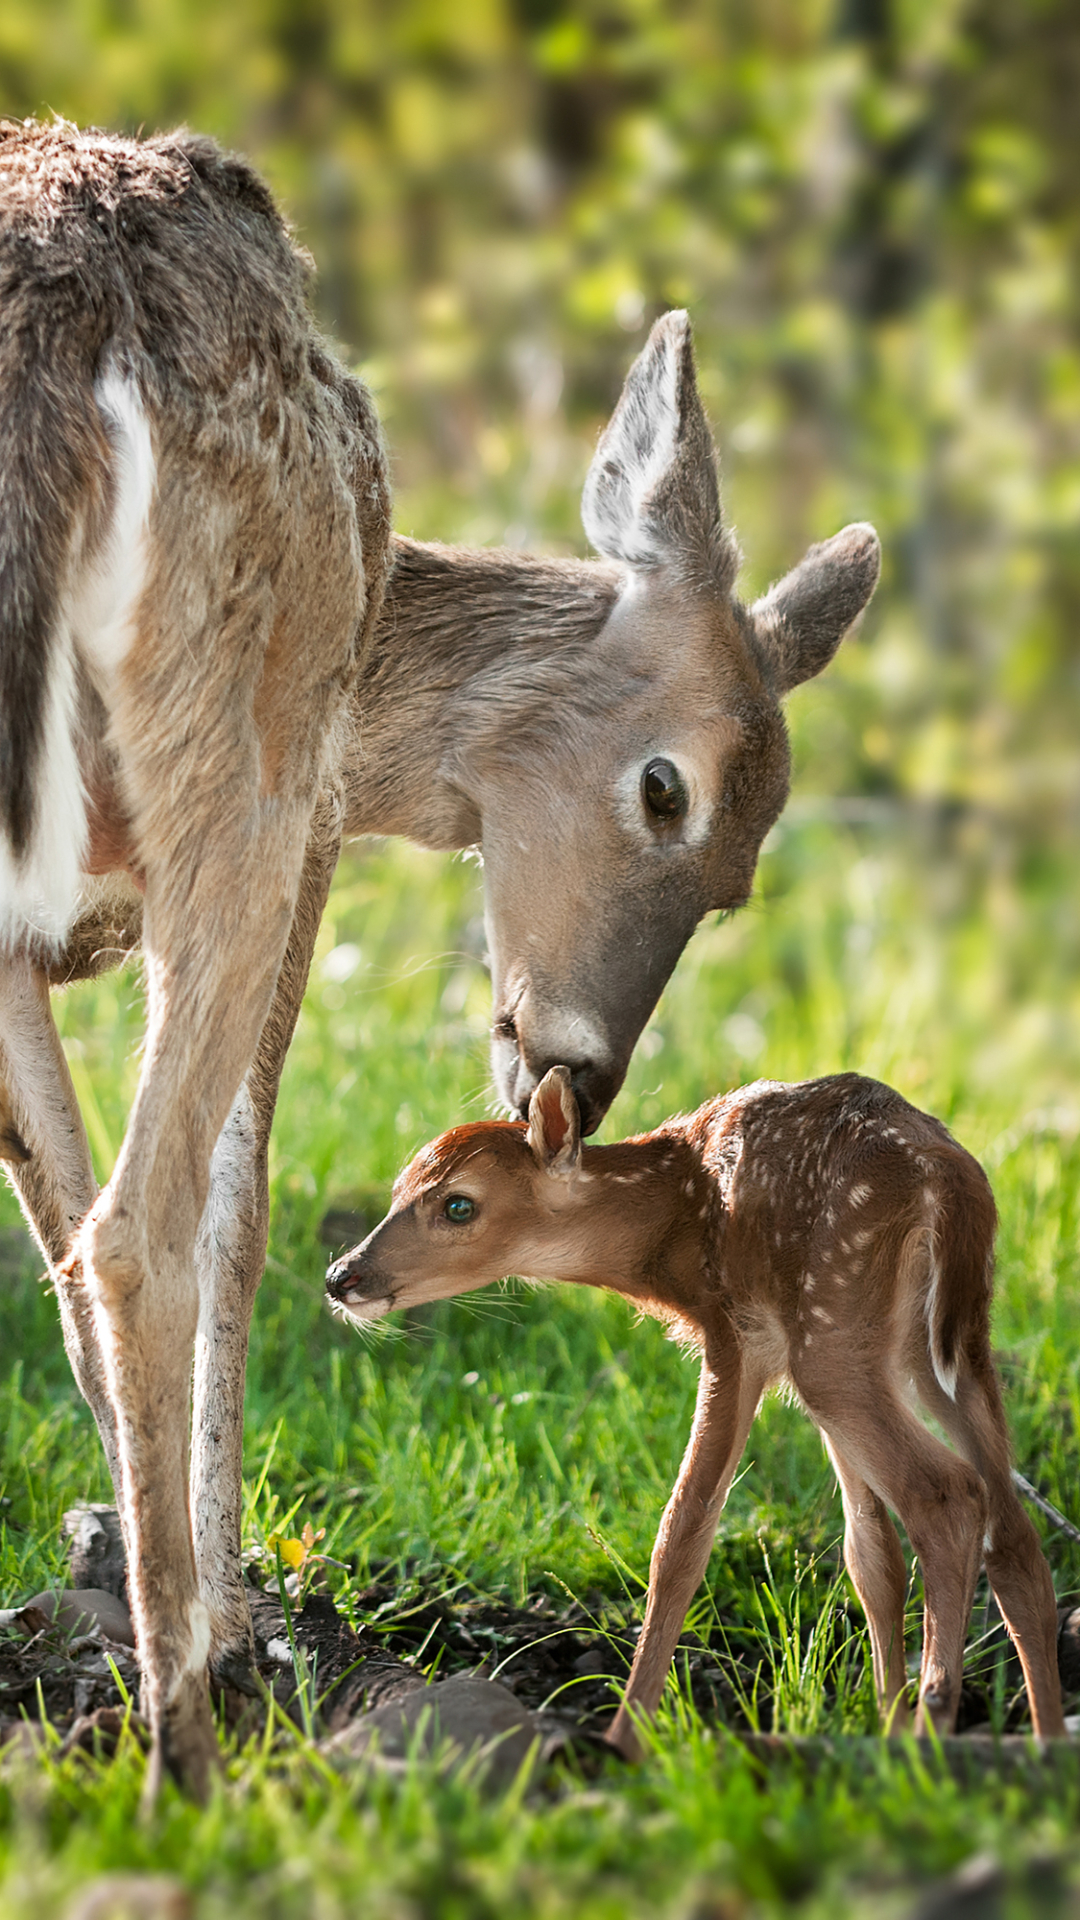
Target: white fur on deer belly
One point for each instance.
(40, 893)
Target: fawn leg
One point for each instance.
(942, 1505)
(875, 1564)
(1016, 1567)
(230, 1256)
(727, 1400)
(48, 1163)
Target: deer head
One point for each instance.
(625, 786)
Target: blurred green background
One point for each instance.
(870, 208)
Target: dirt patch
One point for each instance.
(562, 1658)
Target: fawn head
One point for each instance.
(480, 1203)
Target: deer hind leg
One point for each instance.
(47, 1159)
(727, 1401)
(875, 1563)
(230, 1256)
(1015, 1564)
(942, 1505)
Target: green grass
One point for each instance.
(527, 1440)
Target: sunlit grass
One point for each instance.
(532, 1444)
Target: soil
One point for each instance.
(558, 1656)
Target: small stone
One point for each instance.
(82, 1609)
(595, 1661)
(132, 1896)
(475, 1716)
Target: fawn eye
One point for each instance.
(459, 1207)
(664, 790)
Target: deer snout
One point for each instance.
(355, 1283)
(594, 1083)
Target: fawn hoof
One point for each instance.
(185, 1744)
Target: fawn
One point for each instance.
(826, 1236)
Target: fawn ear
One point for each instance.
(554, 1123)
(802, 620)
(651, 496)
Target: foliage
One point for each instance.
(870, 208)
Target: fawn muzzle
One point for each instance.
(354, 1283)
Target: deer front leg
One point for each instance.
(215, 940)
(727, 1400)
(230, 1256)
(47, 1160)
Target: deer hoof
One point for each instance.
(185, 1744)
(235, 1667)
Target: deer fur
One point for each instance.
(194, 528)
(825, 1237)
(201, 689)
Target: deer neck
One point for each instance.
(454, 622)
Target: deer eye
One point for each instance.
(459, 1208)
(664, 790)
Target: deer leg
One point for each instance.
(47, 1160)
(727, 1401)
(216, 927)
(875, 1563)
(230, 1256)
(1015, 1564)
(942, 1504)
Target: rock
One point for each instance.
(99, 1732)
(132, 1896)
(76, 1610)
(974, 1892)
(593, 1661)
(473, 1718)
(96, 1555)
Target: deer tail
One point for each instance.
(961, 1255)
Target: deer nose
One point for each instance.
(530, 1035)
(594, 1085)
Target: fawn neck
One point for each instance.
(651, 1224)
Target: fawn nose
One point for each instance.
(355, 1278)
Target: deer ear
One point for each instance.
(651, 496)
(802, 620)
(554, 1132)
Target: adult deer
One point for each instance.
(827, 1237)
(196, 703)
